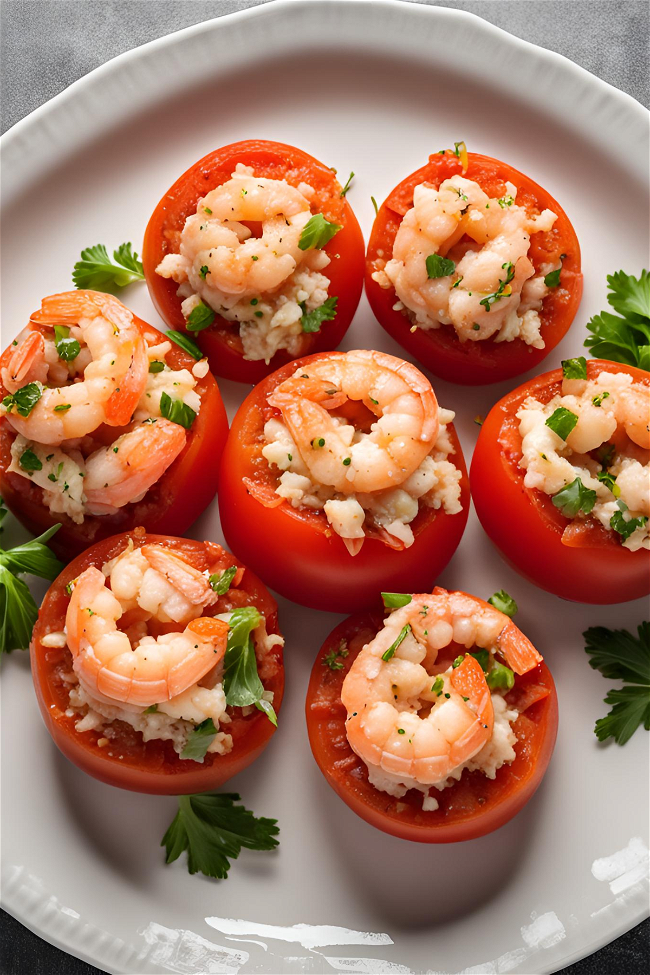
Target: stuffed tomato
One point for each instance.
(560, 480)
(341, 475)
(256, 251)
(157, 663)
(421, 738)
(105, 424)
(473, 268)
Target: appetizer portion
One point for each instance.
(157, 663)
(560, 479)
(436, 723)
(342, 474)
(105, 424)
(473, 268)
(256, 250)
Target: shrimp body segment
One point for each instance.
(398, 395)
(152, 671)
(115, 368)
(421, 724)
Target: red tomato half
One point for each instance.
(169, 507)
(440, 350)
(581, 561)
(295, 550)
(473, 806)
(129, 762)
(221, 342)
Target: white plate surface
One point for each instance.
(374, 88)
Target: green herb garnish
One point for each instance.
(317, 232)
(619, 655)
(624, 337)
(625, 526)
(500, 677)
(574, 368)
(24, 399)
(562, 422)
(241, 682)
(311, 321)
(502, 291)
(186, 343)
(221, 582)
(177, 411)
(67, 348)
(503, 602)
(29, 461)
(200, 317)
(347, 185)
(393, 600)
(387, 654)
(96, 271)
(199, 740)
(609, 480)
(18, 611)
(439, 267)
(573, 498)
(156, 366)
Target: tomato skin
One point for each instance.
(170, 506)
(471, 807)
(346, 249)
(297, 554)
(152, 767)
(527, 528)
(439, 350)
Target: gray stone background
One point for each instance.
(47, 44)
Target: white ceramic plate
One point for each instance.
(373, 87)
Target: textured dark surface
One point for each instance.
(47, 44)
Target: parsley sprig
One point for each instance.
(96, 271)
(311, 321)
(619, 655)
(214, 830)
(18, 611)
(624, 337)
(241, 681)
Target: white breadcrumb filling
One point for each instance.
(502, 230)
(63, 468)
(552, 463)
(498, 751)
(269, 317)
(436, 483)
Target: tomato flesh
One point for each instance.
(128, 761)
(440, 350)
(170, 505)
(473, 806)
(587, 564)
(221, 342)
(294, 550)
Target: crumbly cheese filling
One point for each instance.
(482, 281)
(436, 483)
(620, 496)
(265, 284)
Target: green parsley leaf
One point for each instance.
(458, 661)
(609, 480)
(439, 267)
(317, 232)
(96, 271)
(214, 830)
(437, 686)
(574, 497)
(199, 740)
(241, 681)
(156, 366)
(200, 317)
(67, 348)
(624, 337)
(24, 399)
(574, 368)
(562, 422)
(186, 343)
(552, 279)
(29, 461)
(347, 185)
(176, 411)
(483, 656)
(619, 655)
(331, 658)
(151, 709)
(504, 603)
(18, 611)
(311, 321)
(221, 583)
(622, 525)
(502, 291)
(393, 600)
(393, 647)
(500, 677)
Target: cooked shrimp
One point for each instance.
(194, 585)
(26, 364)
(146, 674)
(124, 471)
(485, 288)
(394, 391)
(633, 411)
(385, 692)
(113, 380)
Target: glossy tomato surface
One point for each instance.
(581, 561)
(294, 550)
(169, 507)
(128, 761)
(221, 342)
(471, 807)
(440, 350)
